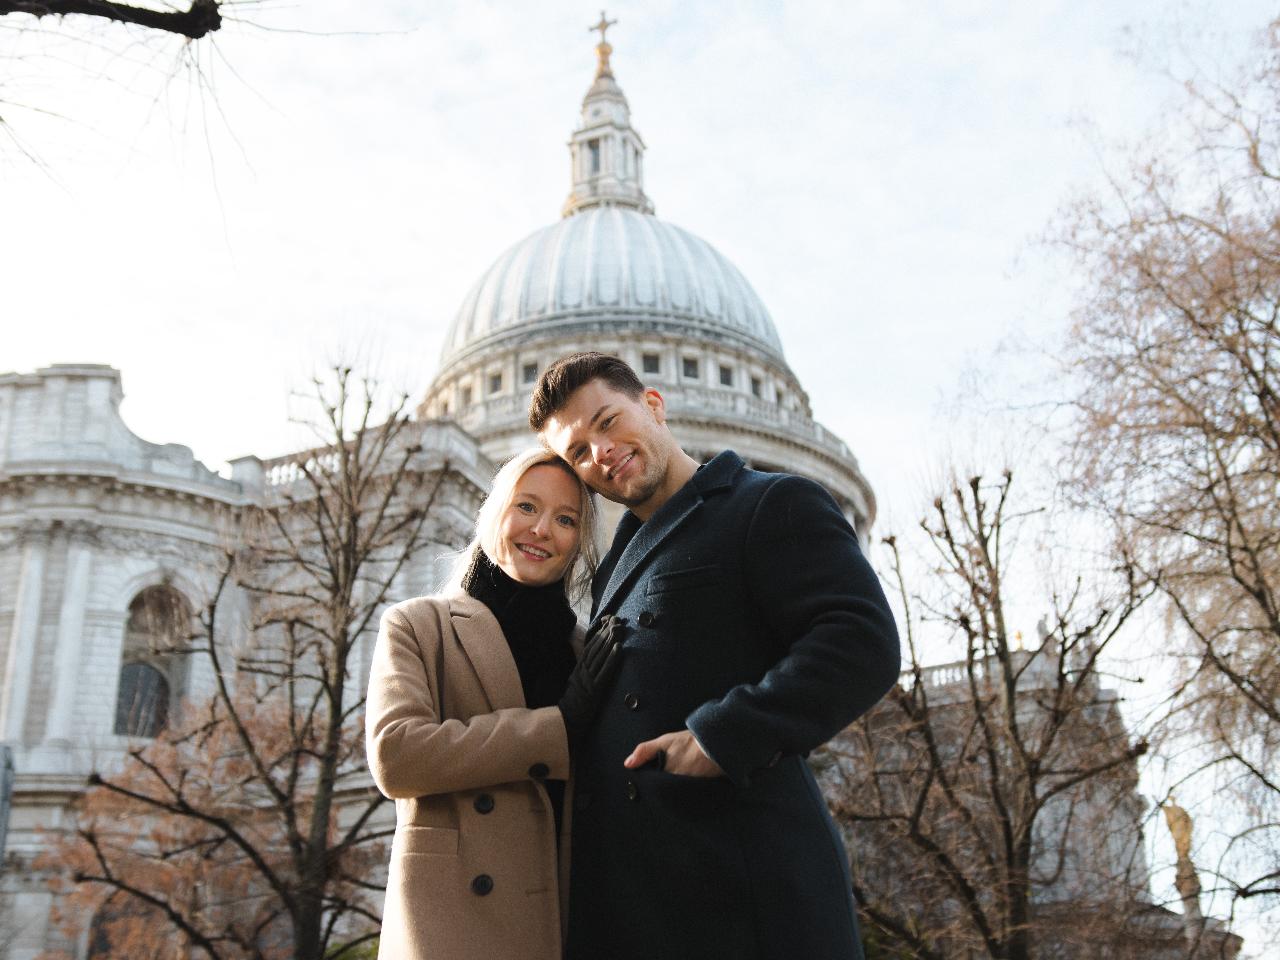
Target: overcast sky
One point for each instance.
(326, 179)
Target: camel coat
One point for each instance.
(473, 873)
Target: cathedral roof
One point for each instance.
(612, 260)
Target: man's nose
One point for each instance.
(603, 448)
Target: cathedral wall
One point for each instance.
(10, 571)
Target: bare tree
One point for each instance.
(178, 39)
(247, 829)
(1176, 353)
(990, 800)
(201, 17)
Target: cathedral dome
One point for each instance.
(616, 261)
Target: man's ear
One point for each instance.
(653, 400)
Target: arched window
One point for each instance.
(142, 701)
(125, 924)
(156, 634)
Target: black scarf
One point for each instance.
(537, 622)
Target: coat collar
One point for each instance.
(716, 475)
(487, 649)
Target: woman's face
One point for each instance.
(538, 533)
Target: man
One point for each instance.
(756, 631)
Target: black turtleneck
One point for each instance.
(537, 623)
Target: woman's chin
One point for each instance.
(533, 573)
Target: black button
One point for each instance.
(632, 701)
(484, 803)
(633, 792)
(581, 801)
(647, 619)
(482, 885)
(539, 771)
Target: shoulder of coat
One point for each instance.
(435, 607)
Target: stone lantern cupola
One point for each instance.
(606, 153)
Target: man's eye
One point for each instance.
(605, 423)
(578, 454)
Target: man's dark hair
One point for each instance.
(559, 381)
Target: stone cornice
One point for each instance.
(115, 480)
(611, 323)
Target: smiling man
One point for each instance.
(756, 632)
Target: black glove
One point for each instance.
(600, 660)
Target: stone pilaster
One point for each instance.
(67, 655)
(22, 637)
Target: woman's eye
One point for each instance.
(525, 506)
(567, 521)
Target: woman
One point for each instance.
(474, 700)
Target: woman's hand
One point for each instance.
(600, 659)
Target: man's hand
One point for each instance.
(684, 756)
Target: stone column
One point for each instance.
(22, 637)
(67, 654)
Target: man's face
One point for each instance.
(617, 444)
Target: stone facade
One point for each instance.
(91, 517)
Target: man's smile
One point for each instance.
(615, 472)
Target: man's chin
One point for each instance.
(634, 498)
(631, 495)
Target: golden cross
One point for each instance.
(602, 26)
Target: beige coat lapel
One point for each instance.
(488, 651)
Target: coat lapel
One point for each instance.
(488, 651)
(718, 474)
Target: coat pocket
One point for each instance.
(686, 579)
(432, 841)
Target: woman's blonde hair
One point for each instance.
(582, 567)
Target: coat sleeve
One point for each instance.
(823, 607)
(413, 751)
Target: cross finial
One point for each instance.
(604, 24)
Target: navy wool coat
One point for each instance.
(753, 620)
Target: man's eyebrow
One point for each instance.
(576, 441)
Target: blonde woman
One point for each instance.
(476, 697)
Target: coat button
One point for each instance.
(482, 885)
(539, 771)
(647, 619)
(484, 803)
(632, 701)
(633, 792)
